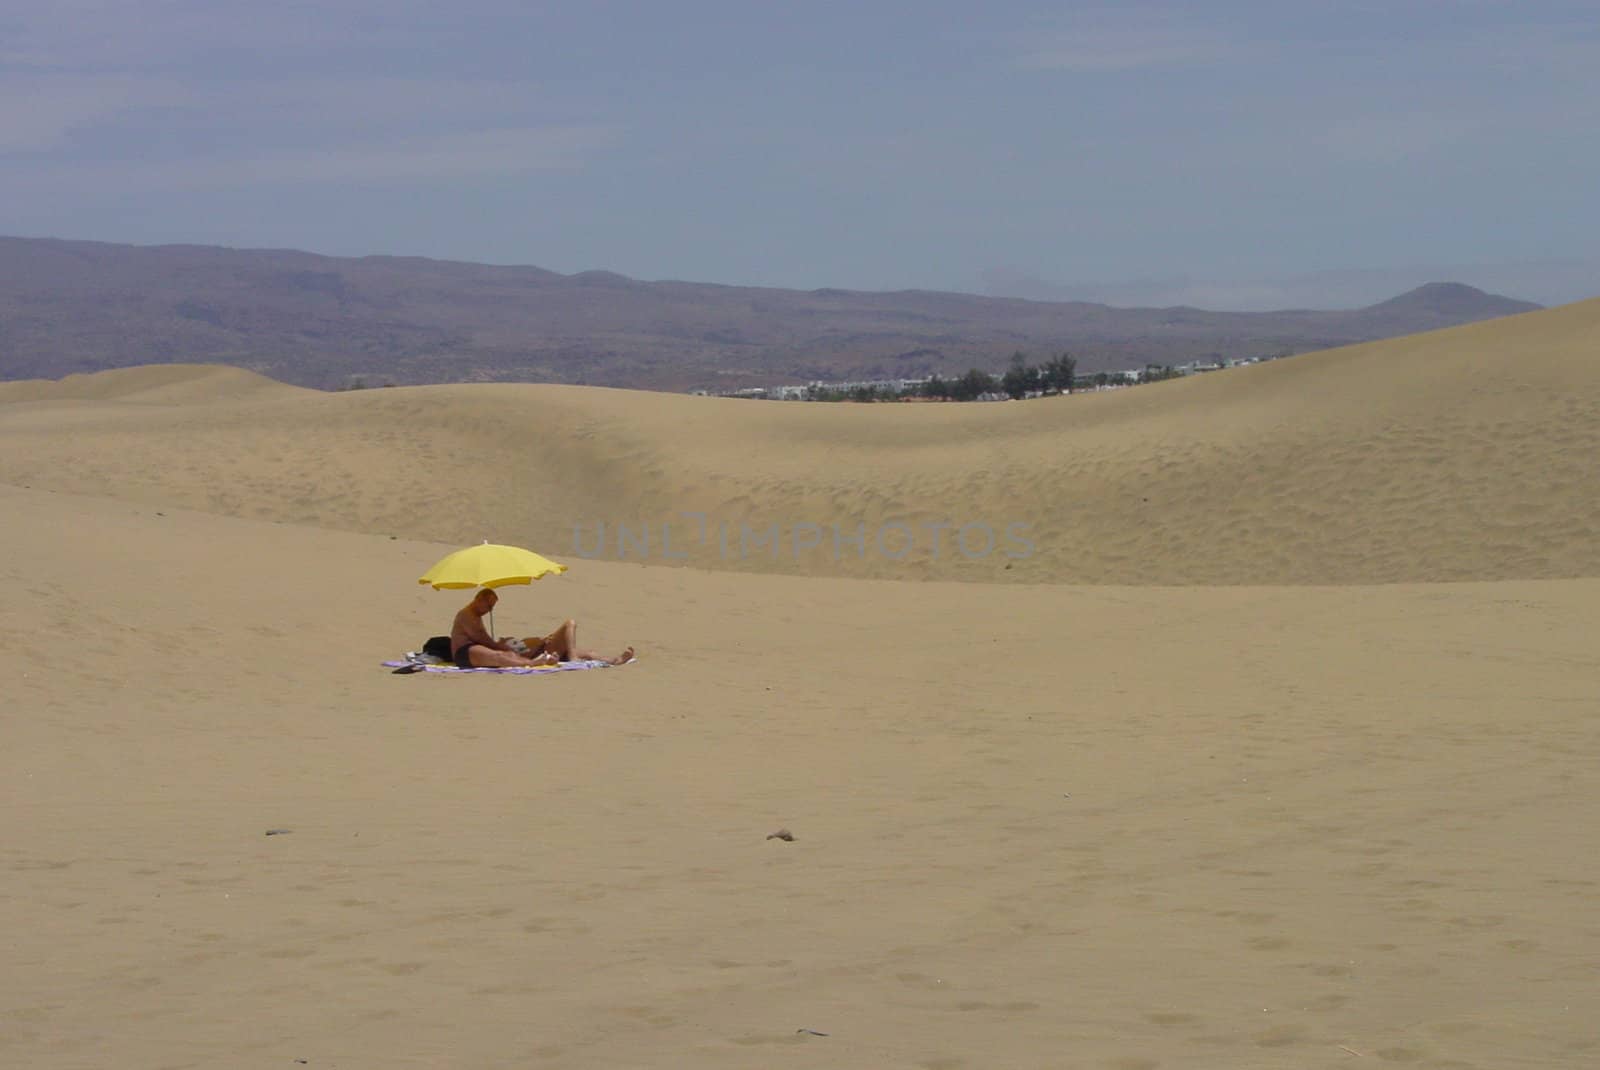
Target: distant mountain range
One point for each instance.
(69, 306)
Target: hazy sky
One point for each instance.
(1238, 151)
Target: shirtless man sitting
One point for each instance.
(473, 647)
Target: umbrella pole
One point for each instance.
(493, 636)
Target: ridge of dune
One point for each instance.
(161, 384)
(1460, 454)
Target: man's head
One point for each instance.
(484, 600)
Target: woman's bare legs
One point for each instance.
(564, 643)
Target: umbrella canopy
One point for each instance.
(489, 565)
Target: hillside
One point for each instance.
(68, 307)
(1431, 457)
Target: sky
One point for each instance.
(1230, 154)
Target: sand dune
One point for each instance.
(171, 384)
(1130, 827)
(1464, 454)
(1110, 827)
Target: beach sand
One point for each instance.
(1219, 808)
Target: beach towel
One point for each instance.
(416, 661)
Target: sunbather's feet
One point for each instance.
(624, 657)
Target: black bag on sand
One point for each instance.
(437, 647)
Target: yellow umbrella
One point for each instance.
(489, 565)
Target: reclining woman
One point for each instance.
(473, 647)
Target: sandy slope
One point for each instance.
(1036, 827)
(1039, 825)
(1457, 455)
